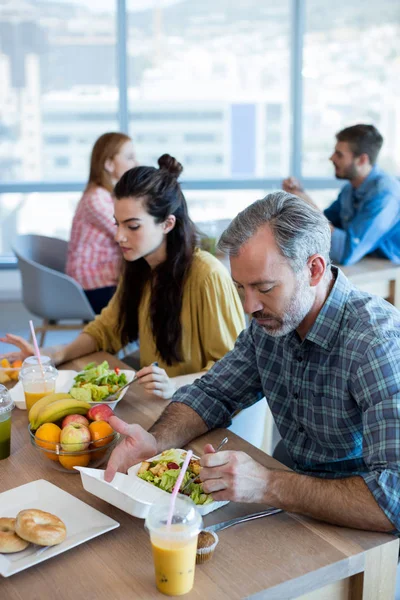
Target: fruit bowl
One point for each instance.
(63, 459)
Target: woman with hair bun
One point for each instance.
(177, 300)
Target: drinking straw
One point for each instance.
(178, 485)
(35, 345)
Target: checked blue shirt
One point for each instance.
(335, 396)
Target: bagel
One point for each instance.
(39, 527)
(9, 540)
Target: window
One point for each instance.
(211, 72)
(56, 139)
(61, 161)
(208, 82)
(44, 214)
(350, 73)
(58, 80)
(200, 138)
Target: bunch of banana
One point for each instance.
(53, 407)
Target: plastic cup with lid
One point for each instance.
(38, 380)
(174, 546)
(6, 408)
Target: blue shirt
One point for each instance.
(366, 220)
(335, 396)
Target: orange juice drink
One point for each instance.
(174, 546)
(37, 381)
(174, 564)
(37, 392)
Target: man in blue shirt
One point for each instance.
(365, 218)
(324, 354)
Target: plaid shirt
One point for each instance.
(94, 257)
(335, 396)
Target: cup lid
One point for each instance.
(186, 520)
(32, 360)
(34, 371)
(6, 402)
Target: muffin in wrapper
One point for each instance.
(206, 544)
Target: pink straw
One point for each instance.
(178, 485)
(35, 345)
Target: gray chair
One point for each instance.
(46, 291)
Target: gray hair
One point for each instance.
(300, 229)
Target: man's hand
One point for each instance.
(231, 475)
(292, 186)
(26, 349)
(137, 446)
(156, 381)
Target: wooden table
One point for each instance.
(281, 556)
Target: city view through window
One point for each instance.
(207, 82)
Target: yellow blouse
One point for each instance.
(212, 318)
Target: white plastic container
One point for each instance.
(130, 493)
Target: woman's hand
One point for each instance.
(155, 381)
(137, 445)
(26, 349)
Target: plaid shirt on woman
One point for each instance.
(335, 396)
(94, 257)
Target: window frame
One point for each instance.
(298, 10)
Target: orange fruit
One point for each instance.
(17, 364)
(101, 433)
(70, 461)
(48, 436)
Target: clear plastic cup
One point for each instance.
(6, 407)
(174, 547)
(37, 381)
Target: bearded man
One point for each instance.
(365, 218)
(327, 358)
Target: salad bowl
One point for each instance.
(130, 493)
(95, 383)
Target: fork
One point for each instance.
(189, 481)
(117, 394)
(259, 515)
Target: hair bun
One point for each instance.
(170, 164)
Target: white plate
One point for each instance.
(81, 520)
(129, 492)
(64, 383)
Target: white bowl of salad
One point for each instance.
(135, 495)
(162, 471)
(96, 382)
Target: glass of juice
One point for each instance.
(6, 407)
(37, 381)
(174, 546)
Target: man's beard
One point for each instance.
(349, 173)
(295, 312)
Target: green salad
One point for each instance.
(96, 382)
(164, 471)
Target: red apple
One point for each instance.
(75, 437)
(100, 412)
(69, 419)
